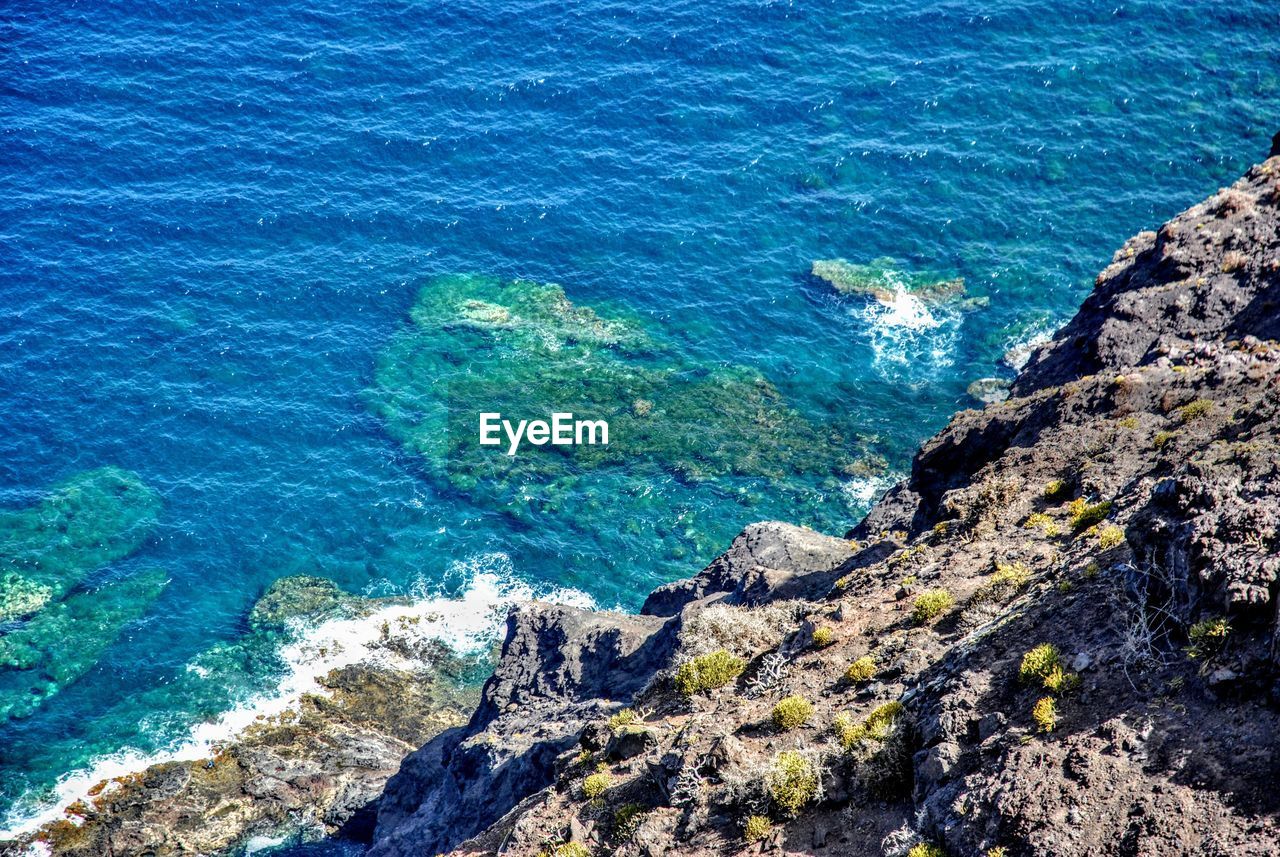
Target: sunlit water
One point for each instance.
(215, 218)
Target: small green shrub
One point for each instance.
(929, 605)
(709, 671)
(792, 712)
(756, 827)
(792, 780)
(1061, 681)
(1058, 489)
(1162, 437)
(877, 726)
(1043, 665)
(998, 851)
(1195, 410)
(1129, 422)
(1084, 515)
(1208, 637)
(926, 849)
(1045, 713)
(1110, 536)
(595, 785)
(1048, 525)
(1013, 575)
(823, 636)
(1039, 662)
(627, 819)
(862, 670)
(909, 580)
(625, 717)
(571, 849)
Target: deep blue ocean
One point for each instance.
(215, 219)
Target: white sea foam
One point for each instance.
(1017, 350)
(864, 491)
(467, 624)
(907, 337)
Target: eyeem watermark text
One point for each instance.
(563, 430)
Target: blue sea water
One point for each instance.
(214, 218)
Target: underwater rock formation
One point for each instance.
(54, 627)
(883, 278)
(721, 435)
(63, 641)
(84, 523)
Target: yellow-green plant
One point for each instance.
(709, 671)
(1208, 637)
(1110, 536)
(571, 849)
(1013, 575)
(625, 717)
(861, 670)
(1043, 665)
(876, 726)
(823, 636)
(627, 819)
(792, 712)
(756, 827)
(792, 780)
(929, 605)
(1057, 489)
(926, 849)
(1084, 515)
(1061, 681)
(1039, 662)
(1162, 437)
(1048, 525)
(1195, 410)
(595, 785)
(1045, 713)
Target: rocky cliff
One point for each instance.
(1057, 636)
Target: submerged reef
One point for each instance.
(884, 278)
(478, 344)
(89, 520)
(65, 640)
(53, 628)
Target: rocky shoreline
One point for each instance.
(1057, 636)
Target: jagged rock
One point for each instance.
(628, 742)
(760, 561)
(560, 667)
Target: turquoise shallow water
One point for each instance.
(215, 221)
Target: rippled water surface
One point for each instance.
(216, 218)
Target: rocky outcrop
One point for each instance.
(764, 559)
(1058, 636)
(561, 670)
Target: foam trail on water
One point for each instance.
(863, 492)
(468, 624)
(907, 336)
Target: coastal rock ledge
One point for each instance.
(1058, 636)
